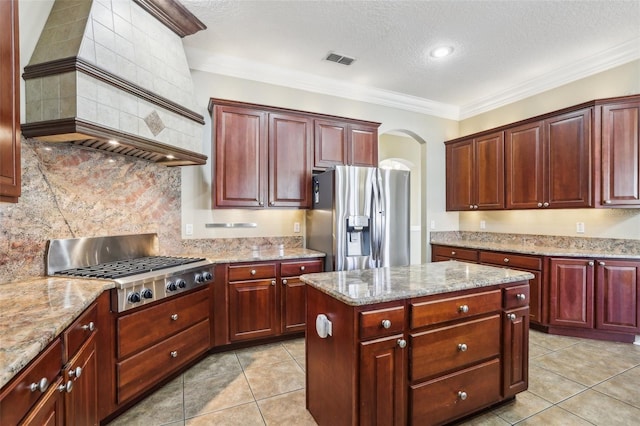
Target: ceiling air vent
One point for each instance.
(340, 59)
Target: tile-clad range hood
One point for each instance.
(112, 75)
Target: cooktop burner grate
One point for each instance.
(129, 267)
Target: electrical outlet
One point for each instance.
(483, 224)
(580, 227)
(188, 229)
(296, 227)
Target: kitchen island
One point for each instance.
(421, 344)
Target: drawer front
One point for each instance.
(444, 399)
(144, 369)
(18, 398)
(441, 310)
(444, 349)
(252, 272)
(510, 259)
(381, 322)
(515, 297)
(154, 324)
(292, 269)
(80, 331)
(456, 253)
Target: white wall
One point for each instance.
(196, 181)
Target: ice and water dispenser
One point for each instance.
(358, 236)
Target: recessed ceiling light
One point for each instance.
(441, 52)
(114, 142)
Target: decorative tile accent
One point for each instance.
(154, 123)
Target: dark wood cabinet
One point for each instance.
(548, 162)
(81, 404)
(442, 253)
(620, 144)
(290, 149)
(49, 411)
(345, 143)
(382, 382)
(618, 296)
(252, 309)
(10, 168)
(515, 365)
(571, 292)
(293, 293)
(475, 173)
(240, 156)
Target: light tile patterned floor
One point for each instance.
(571, 382)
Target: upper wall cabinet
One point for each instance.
(475, 173)
(340, 142)
(9, 103)
(583, 156)
(263, 156)
(620, 136)
(548, 163)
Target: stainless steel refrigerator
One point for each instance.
(360, 217)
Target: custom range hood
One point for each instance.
(112, 75)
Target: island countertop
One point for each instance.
(369, 286)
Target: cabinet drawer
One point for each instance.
(510, 259)
(515, 297)
(154, 324)
(252, 272)
(372, 323)
(80, 331)
(18, 398)
(456, 253)
(292, 269)
(444, 399)
(444, 349)
(147, 367)
(441, 310)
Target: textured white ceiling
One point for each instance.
(504, 50)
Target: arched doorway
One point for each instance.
(403, 149)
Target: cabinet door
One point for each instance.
(489, 171)
(252, 309)
(81, 404)
(618, 296)
(515, 368)
(524, 166)
(571, 292)
(460, 175)
(621, 154)
(50, 408)
(382, 382)
(330, 144)
(363, 146)
(240, 156)
(568, 152)
(290, 161)
(293, 304)
(9, 102)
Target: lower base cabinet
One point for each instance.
(50, 409)
(424, 361)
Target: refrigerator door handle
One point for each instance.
(374, 220)
(381, 218)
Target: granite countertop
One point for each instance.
(262, 254)
(369, 286)
(542, 250)
(34, 312)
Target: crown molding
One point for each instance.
(619, 55)
(240, 68)
(250, 70)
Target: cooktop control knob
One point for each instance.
(146, 293)
(133, 297)
(207, 276)
(181, 283)
(199, 278)
(172, 286)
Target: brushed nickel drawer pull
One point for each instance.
(174, 317)
(75, 372)
(386, 323)
(601, 263)
(521, 296)
(302, 268)
(41, 386)
(402, 343)
(511, 317)
(462, 395)
(273, 282)
(253, 272)
(91, 326)
(453, 253)
(68, 387)
(463, 309)
(506, 260)
(174, 354)
(462, 347)
(284, 282)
